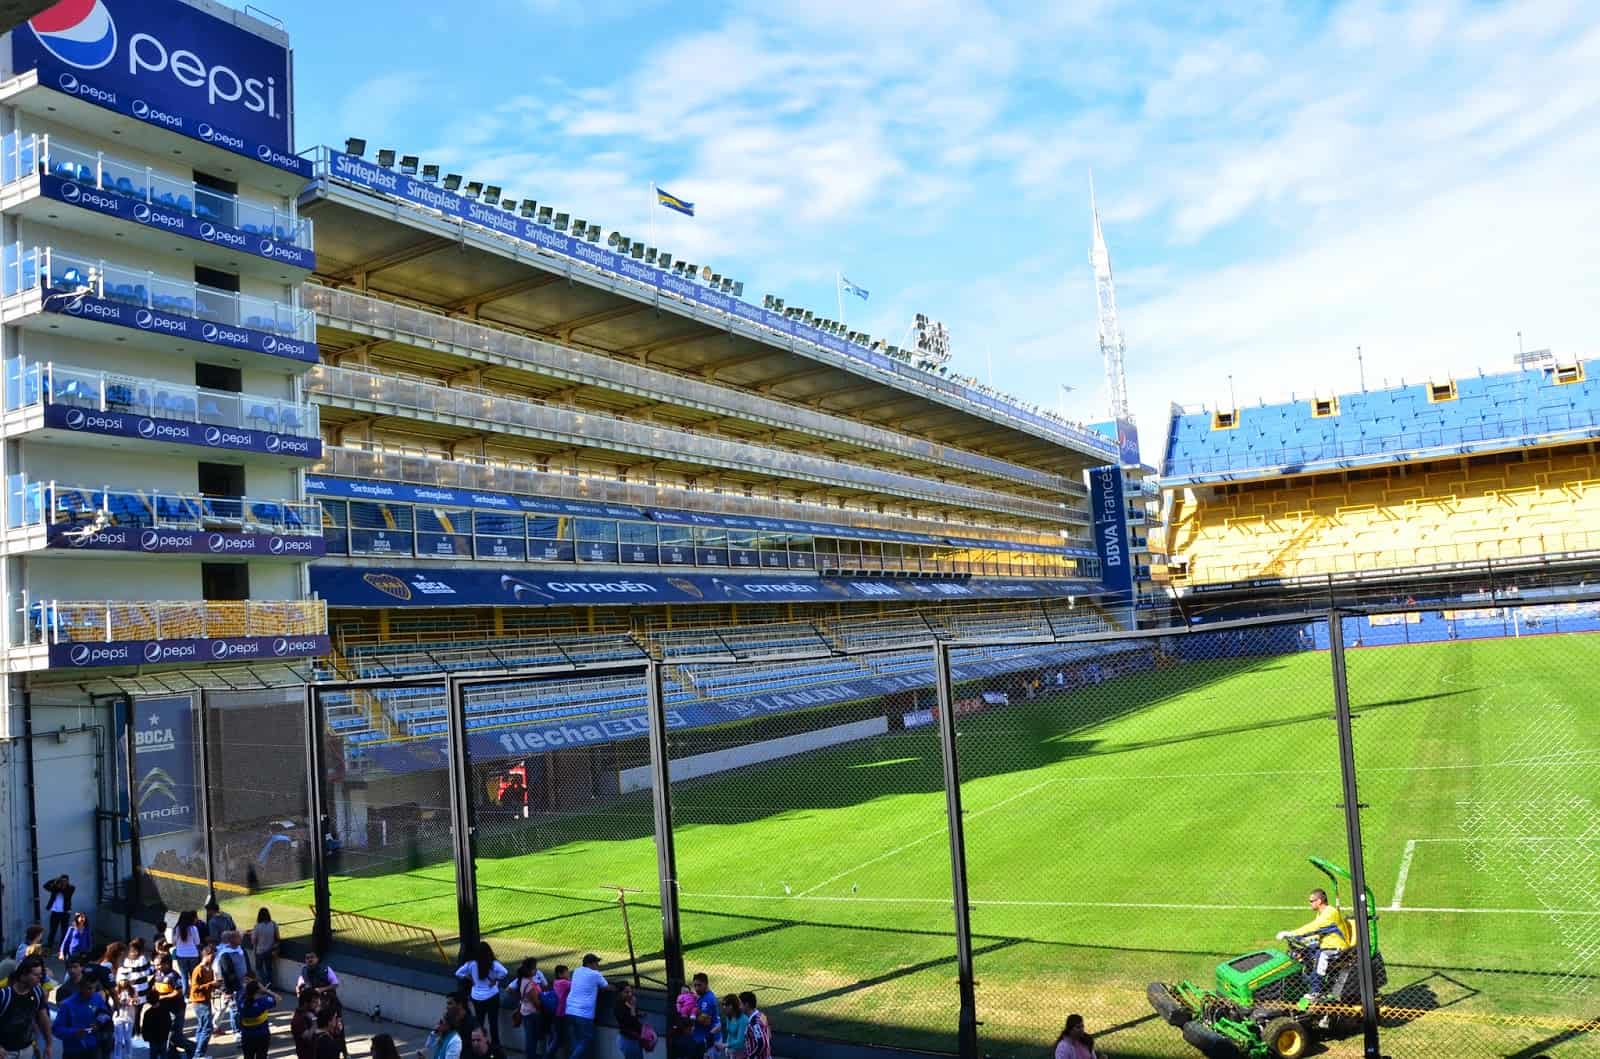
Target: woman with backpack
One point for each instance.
(529, 1014)
(482, 976)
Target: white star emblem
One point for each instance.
(155, 719)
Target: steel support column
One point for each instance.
(463, 821)
(967, 1025)
(317, 817)
(666, 852)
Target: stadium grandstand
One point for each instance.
(1444, 487)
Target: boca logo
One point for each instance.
(78, 32)
(389, 585)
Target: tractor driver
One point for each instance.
(1324, 938)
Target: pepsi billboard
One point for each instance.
(187, 542)
(189, 650)
(149, 428)
(193, 329)
(175, 222)
(170, 65)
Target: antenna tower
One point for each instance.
(1112, 348)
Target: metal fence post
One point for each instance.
(661, 802)
(203, 755)
(1352, 827)
(967, 1025)
(316, 816)
(463, 821)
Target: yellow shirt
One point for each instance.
(1330, 929)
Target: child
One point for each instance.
(255, 1033)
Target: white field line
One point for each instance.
(940, 833)
(1134, 905)
(1405, 870)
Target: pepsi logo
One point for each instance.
(147, 428)
(209, 332)
(141, 109)
(149, 540)
(205, 131)
(78, 655)
(75, 307)
(144, 318)
(141, 212)
(68, 83)
(152, 651)
(275, 546)
(70, 192)
(74, 418)
(280, 646)
(216, 542)
(78, 32)
(272, 442)
(264, 153)
(213, 435)
(208, 230)
(269, 344)
(219, 649)
(267, 248)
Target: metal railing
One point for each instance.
(110, 621)
(587, 428)
(29, 384)
(367, 311)
(27, 268)
(22, 156)
(44, 504)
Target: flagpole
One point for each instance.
(651, 216)
(838, 292)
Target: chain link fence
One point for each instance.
(1155, 831)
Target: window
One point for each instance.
(1225, 420)
(1324, 407)
(223, 581)
(221, 479)
(218, 377)
(1439, 392)
(1566, 375)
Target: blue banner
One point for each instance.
(164, 765)
(173, 220)
(188, 649)
(147, 428)
(359, 173)
(170, 65)
(121, 314)
(321, 485)
(1111, 532)
(346, 586)
(1128, 442)
(186, 542)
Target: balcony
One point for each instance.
(48, 290)
(117, 523)
(53, 182)
(78, 406)
(52, 634)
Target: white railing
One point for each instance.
(110, 621)
(44, 504)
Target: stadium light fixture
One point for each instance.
(727, 284)
(766, 301)
(547, 214)
(705, 272)
(579, 226)
(716, 279)
(649, 255)
(430, 174)
(663, 260)
(689, 270)
(738, 289)
(491, 194)
(452, 181)
(408, 164)
(509, 203)
(355, 146)
(528, 207)
(594, 233)
(637, 250)
(473, 189)
(561, 221)
(615, 239)
(386, 157)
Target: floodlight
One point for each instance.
(473, 189)
(355, 146)
(491, 194)
(663, 260)
(509, 203)
(546, 214)
(738, 289)
(649, 255)
(408, 164)
(808, 318)
(386, 157)
(579, 225)
(777, 305)
(452, 181)
(705, 272)
(615, 239)
(594, 233)
(678, 267)
(727, 284)
(716, 279)
(528, 206)
(689, 270)
(561, 221)
(638, 251)
(766, 301)
(430, 173)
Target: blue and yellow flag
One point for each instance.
(673, 202)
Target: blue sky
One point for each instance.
(1278, 184)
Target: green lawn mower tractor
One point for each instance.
(1259, 1007)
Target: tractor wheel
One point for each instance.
(1286, 1038)
(1212, 1044)
(1169, 1007)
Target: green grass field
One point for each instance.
(1139, 830)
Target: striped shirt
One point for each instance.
(134, 975)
